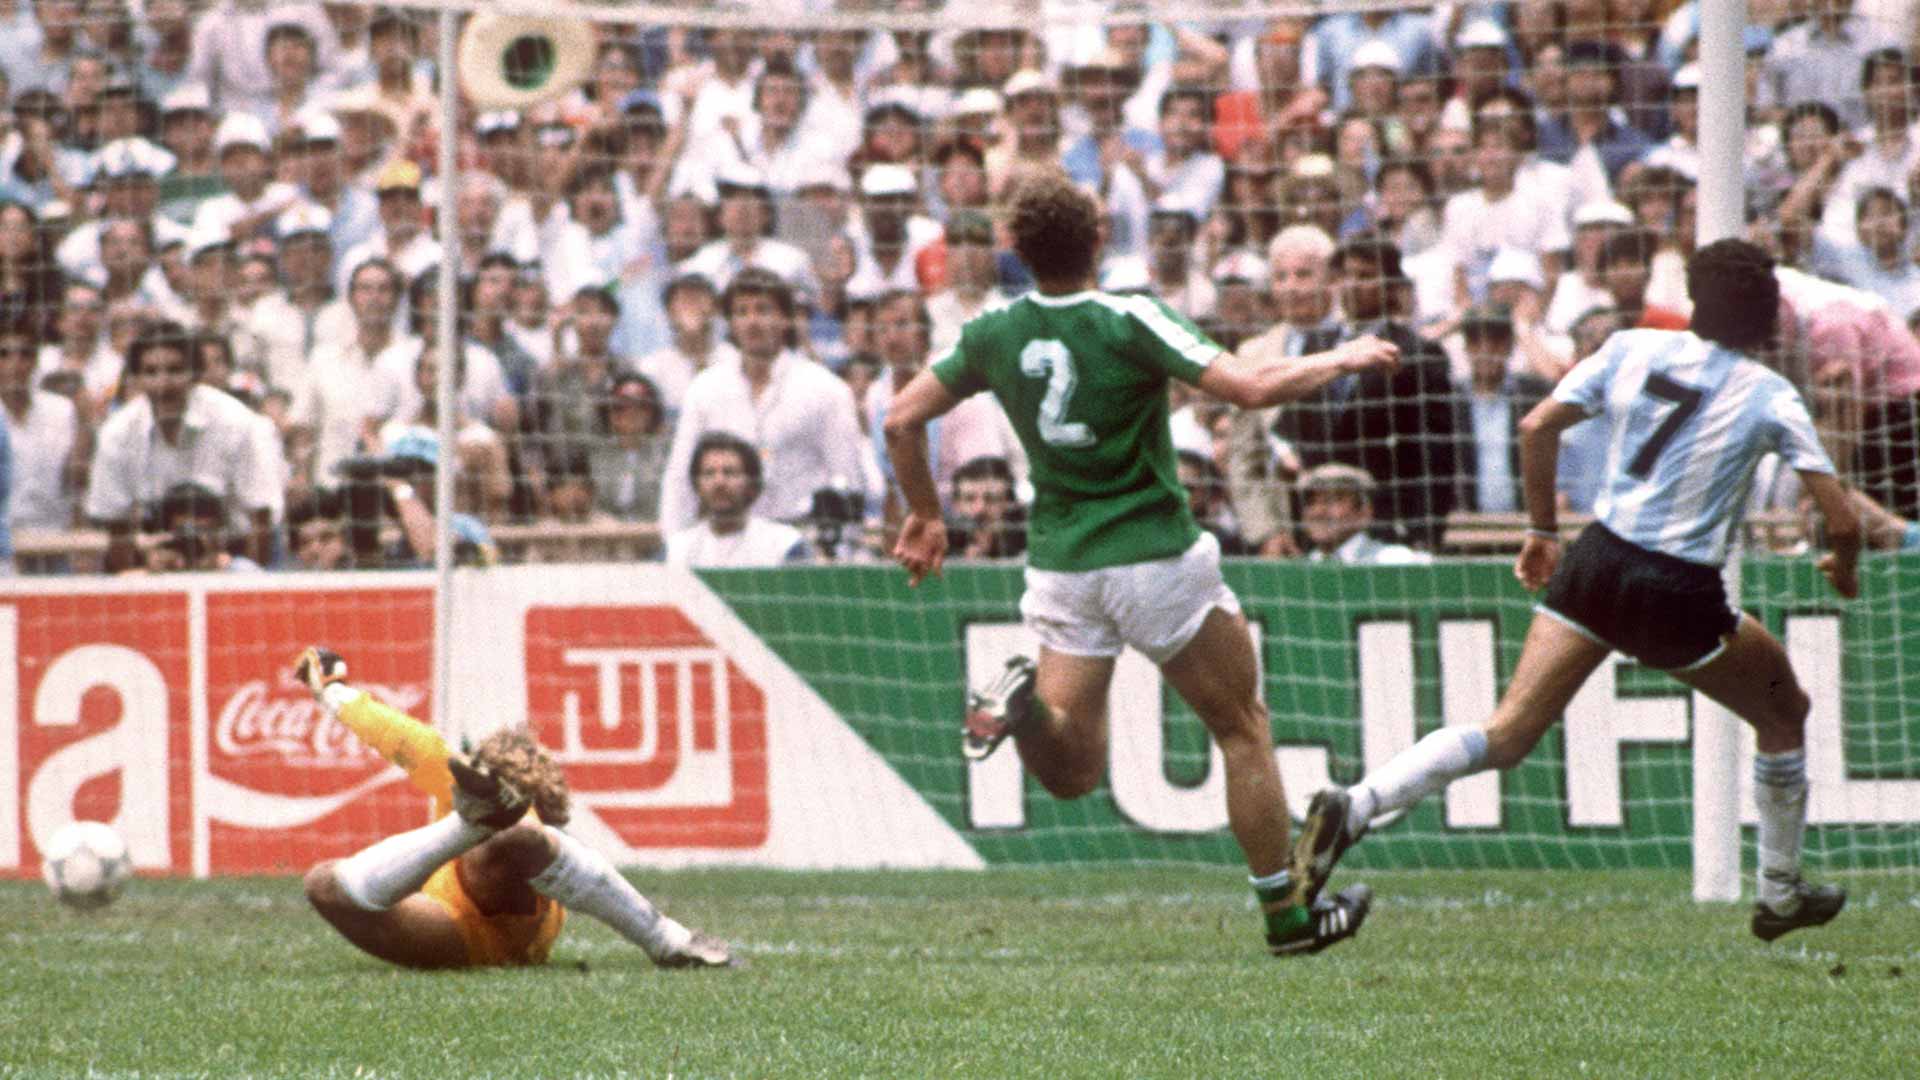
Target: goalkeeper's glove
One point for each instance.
(319, 667)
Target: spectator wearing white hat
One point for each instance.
(187, 126)
(289, 321)
(319, 166)
(1498, 213)
(210, 292)
(1681, 150)
(253, 197)
(890, 231)
(1337, 39)
(230, 50)
(127, 175)
(1580, 288)
(747, 223)
(1033, 126)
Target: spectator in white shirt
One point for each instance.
(1186, 171)
(253, 197)
(972, 277)
(81, 364)
(799, 415)
(179, 430)
(344, 399)
(230, 55)
(890, 233)
(403, 238)
(1498, 213)
(691, 305)
(49, 444)
(747, 223)
(725, 473)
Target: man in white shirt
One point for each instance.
(45, 434)
(726, 478)
(798, 415)
(1499, 213)
(253, 197)
(1336, 512)
(403, 238)
(690, 303)
(1186, 171)
(746, 227)
(179, 430)
(344, 398)
(890, 233)
(972, 277)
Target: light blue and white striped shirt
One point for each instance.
(1688, 421)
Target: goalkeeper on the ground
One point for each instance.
(488, 882)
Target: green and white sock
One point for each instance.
(1277, 888)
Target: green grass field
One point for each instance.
(1013, 973)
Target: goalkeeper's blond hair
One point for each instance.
(512, 755)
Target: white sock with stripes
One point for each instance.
(1780, 794)
(1418, 771)
(582, 880)
(380, 876)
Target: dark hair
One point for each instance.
(683, 282)
(920, 312)
(779, 67)
(1056, 227)
(297, 32)
(1819, 110)
(726, 442)
(1522, 115)
(315, 504)
(1413, 167)
(590, 174)
(1886, 57)
(1736, 297)
(188, 499)
(756, 281)
(383, 264)
(1374, 247)
(985, 467)
(596, 294)
(1632, 244)
(204, 340)
(1199, 95)
(631, 378)
(1867, 195)
(957, 146)
(165, 334)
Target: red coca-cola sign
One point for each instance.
(286, 782)
(662, 736)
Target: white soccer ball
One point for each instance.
(86, 864)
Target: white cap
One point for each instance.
(1029, 81)
(1602, 212)
(1513, 264)
(888, 179)
(738, 174)
(488, 123)
(1687, 78)
(317, 126)
(303, 217)
(241, 129)
(1240, 265)
(131, 156)
(823, 174)
(1481, 34)
(187, 97)
(205, 239)
(1375, 54)
(976, 101)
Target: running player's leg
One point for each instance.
(1217, 675)
(1754, 679)
(1064, 744)
(1555, 662)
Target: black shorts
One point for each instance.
(1667, 613)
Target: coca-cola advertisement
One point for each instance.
(286, 783)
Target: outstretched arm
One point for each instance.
(1261, 374)
(415, 747)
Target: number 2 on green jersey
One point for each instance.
(1048, 358)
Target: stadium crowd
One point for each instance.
(688, 289)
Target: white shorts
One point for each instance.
(1156, 607)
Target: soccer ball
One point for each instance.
(86, 865)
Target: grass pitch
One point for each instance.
(1016, 973)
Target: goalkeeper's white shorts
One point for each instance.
(1157, 607)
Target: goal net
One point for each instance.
(1498, 187)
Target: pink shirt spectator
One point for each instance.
(1842, 329)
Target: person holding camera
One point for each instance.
(192, 523)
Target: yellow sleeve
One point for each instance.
(414, 746)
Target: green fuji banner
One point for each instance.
(1358, 663)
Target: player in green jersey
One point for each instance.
(1114, 555)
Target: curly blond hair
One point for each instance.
(513, 756)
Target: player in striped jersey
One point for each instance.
(1690, 414)
(1115, 557)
